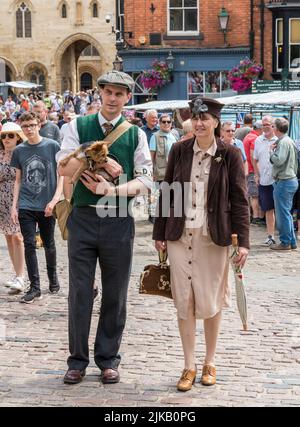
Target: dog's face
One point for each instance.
(98, 152)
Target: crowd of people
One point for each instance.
(232, 175)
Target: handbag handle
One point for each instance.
(162, 256)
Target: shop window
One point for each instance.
(211, 84)
(23, 21)
(294, 43)
(183, 16)
(140, 93)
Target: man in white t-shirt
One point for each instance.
(263, 175)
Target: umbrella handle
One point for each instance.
(234, 240)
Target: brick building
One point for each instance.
(188, 32)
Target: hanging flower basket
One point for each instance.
(156, 77)
(242, 75)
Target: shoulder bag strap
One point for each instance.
(117, 133)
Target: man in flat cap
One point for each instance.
(98, 231)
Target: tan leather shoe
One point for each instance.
(187, 379)
(209, 375)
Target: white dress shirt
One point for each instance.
(142, 158)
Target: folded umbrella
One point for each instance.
(239, 283)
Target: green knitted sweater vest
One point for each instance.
(123, 149)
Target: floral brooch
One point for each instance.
(218, 159)
(199, 107)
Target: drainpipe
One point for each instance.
(251, 33)
(262, 32)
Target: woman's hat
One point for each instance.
(201, 105)
(10, 127)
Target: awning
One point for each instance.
(20, 84)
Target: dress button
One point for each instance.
(197, 176)
(190, 234)
(190, 248)
(192, 219)
(199, 163)
(190, 262)
(190, 277)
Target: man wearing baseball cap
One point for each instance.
(95, 234)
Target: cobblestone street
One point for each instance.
(260, 367)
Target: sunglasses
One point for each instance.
(166, 121)
(8, 135)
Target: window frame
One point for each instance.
(95, 7)
(23, 8)
(191, 95)
(64, 8)
(278, 44)
(292, 44)
(183, 32)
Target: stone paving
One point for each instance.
(260, 367)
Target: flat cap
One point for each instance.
(116, 78)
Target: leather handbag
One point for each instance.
(155, 279)
(61, 212)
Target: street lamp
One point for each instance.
(223, 20)
(170, 61)
(118, 63)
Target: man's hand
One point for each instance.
(49, 208)
(14, 215)
(112, 167)
(240, 259)
(96, 183)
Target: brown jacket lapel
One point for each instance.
(216, 166)
(187, 159)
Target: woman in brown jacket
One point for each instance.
(203, 201)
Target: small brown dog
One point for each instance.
(94, 158)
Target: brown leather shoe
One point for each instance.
(110, 376)
(187, 379)
(209, 375)
(74, 376)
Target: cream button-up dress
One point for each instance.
(197, 264)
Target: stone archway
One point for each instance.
(36, 72)
(66, 60)
(88, 69)
(8, 70)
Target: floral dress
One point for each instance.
(7, 179)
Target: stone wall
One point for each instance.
(56, 42)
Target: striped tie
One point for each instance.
(108, 128)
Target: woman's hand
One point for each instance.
(14, 215)
(241, 257)
(160, 245)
